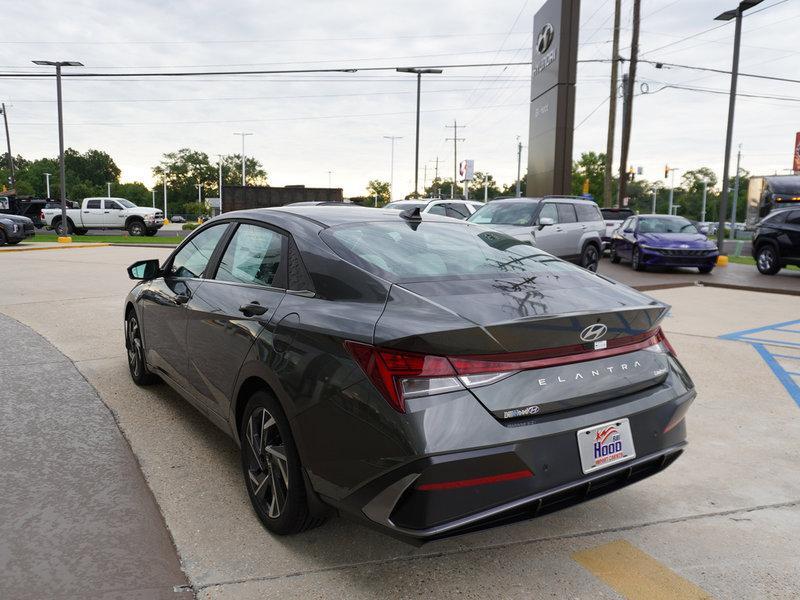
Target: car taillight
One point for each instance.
(400, 375)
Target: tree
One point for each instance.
(511, 188)
(476, 186)
(591, 166)
(379, 188)
(693, 180)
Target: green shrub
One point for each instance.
(190, 226)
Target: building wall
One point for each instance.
(236, 197)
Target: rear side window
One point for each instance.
(437, 209)
(588, 213)
(252, 256)
(93, 204)
(566, 213)
(793, 218)
(433, 250)
(505, 213)
(192, 259)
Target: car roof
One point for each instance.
(329, 216)
(570, 199)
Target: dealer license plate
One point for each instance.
(601, 446)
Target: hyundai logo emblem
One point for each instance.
(545, 38)
(594, 332)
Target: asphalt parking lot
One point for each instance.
(722, 522)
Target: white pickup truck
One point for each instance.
(105, 213)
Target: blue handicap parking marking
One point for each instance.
(779, 347)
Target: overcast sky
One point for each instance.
(307, 125)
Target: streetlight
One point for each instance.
(243, 134)
(391, 172)
(58, 65)
(219, 165)
(199, 187)
(47, 183)
(108, 189)
(329, 178)
(735, 13)
(419, 73)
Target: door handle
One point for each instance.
(86, 212)
(559, 229)
(252, 309)
(108, 211)
(182, 298)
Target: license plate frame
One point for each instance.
(616, 445)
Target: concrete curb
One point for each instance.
(61, 247)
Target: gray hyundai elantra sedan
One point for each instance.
(426, 376)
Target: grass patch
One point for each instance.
(749, 260)
(109, 239)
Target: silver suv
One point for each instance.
(565, 226)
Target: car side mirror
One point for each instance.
(545, 221)
(704, 230)
(144, 269)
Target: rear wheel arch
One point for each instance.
(249, 386)
(771, 243)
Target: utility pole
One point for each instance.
(8, 143)
(612, 110)
(455, 139)
(108, 189)
(667, 171)
(219, 166)
(737, 39)
(165, 195)
(735, 193)
(486, 190)
(244, 135)
(418, 73)
(655, 192)
(393, 138)
(519, 169)
(436, 178)
(703, 208)
(627, 113)
(47, 183)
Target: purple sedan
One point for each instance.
(663, 241)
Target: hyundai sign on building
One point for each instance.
(555, 51)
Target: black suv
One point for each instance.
(776, 242)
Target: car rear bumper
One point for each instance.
(408, 503)
(22, 234)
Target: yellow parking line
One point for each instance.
(61, 247)
(635, 574)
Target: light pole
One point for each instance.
(735, 194)
(8, 143)
(108, 189)
(419, 73)
(219, 165)
(391, 171)
(703, 208)
(735, 13)
(154, 197)
(199, 187)
(329, 178)
(47, 183)
(655, 197)
(63, 181)
(244, 135)
(165, 196)
(671, 186)
(518, 193)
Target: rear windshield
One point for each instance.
(404, 205)
(666, 225)
(505, 213)
(615, 214)
(409, 251)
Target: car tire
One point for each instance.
(3, 238)
(271, 468)
(152, 232)
(11, 242)
(62, 229)
(136, 228)
(590, 258)
(134, 345)
(614, 256)
(81, 231)
(706, 269)
(636, 259)
(767, 261)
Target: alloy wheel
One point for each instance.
(591, 258)
(765, 259)
(135, 350)
(268, 469)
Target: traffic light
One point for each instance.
(666, 171)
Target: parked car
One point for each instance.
(320, 203)
(14, 229)
(106, 213)
(178, 219)
(565, 226)
(456, 209)
(613, 218)
(776, 242)
(663, 241)
(424, 375)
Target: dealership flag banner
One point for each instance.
(796, 162)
